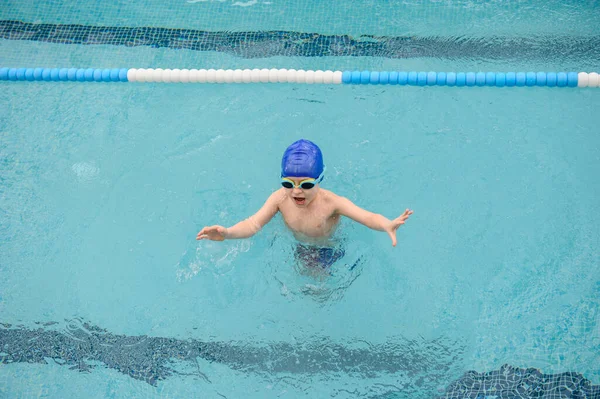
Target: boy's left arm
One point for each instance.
(372, 220)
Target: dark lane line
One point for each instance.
(261, 44)
(151, 359)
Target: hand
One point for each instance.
(214, 233)
(399, 221)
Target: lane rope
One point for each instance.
(400, 78)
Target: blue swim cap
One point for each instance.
(302, 159)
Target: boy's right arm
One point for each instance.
(248, 227)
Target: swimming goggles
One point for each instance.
(306, 184)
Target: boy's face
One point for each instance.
(301, 197)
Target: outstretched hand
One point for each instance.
(399, 221)
(214, 233)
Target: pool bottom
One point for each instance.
(151, 359)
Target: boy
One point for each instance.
(310, 212)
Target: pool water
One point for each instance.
(104, 291)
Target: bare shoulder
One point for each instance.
(277, 197)
(338, 203)
(330, 197)
(280, 192)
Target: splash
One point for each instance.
(217, 257)
(85, 171)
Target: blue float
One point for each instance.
(29, 75)
(402, 78)
(114, 75)
(346, 77)
(470, 79)
(80, 75)
(490, 79)
(480, 79)
(412, 78)
(106, 75)
(393, 79)
(54, 72)
(123, 75)
(431, 78)
(511, 79)
(530, 79)
(21, 74)
(374, 78)
(355, 77)
(4, 73)
(37, 73)
(46, 72)
(572, 79)
(561, 79)
(521, 79)
(451, 79)
(461, 79)
(551, 79)
(500, 79)
(365, 77)
(12, 74)
(97, 75)
(422, 78)
(540, 79)
(89, 75)
(71, 74)
(384, 77)
(441, 79)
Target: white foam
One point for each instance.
(218, 257)
(85, 171)
(246, 4)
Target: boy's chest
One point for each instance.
(312, 223)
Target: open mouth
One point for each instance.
(300, 201)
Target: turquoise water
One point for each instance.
(104, 187)
(531, 24)
(392, 17)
